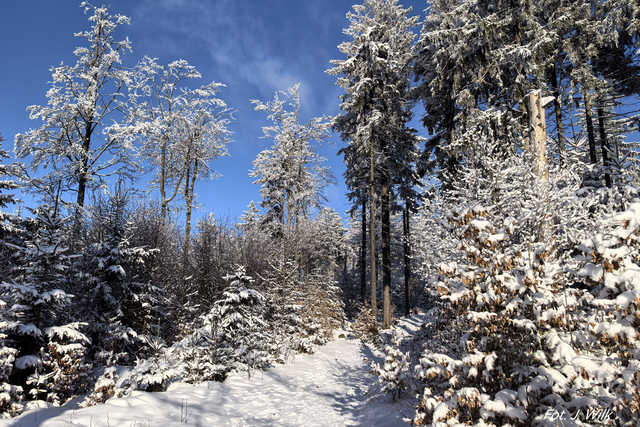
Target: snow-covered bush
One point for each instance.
(393, 374)
(11, 395)
(43, 351)
(365, 325)
(244, 330)
(118, 300)
(64, 360)
(303, 312)
(232, 335)
(541, 317)
(237, 323)
(610, 266)
(104, 388)
(496, 292)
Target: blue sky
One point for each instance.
(254, 47)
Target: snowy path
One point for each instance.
(332, 387)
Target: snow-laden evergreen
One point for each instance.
(245, 330)
(119, 302)
(539, 326)
(43, 348)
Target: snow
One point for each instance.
(441, 412)
(592, 271)
(496, 238)
(29, 329)
(333, 386)
(69, 332)
(28, 361)
(480, 224)
(614, 330)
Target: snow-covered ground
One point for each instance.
(332, 387)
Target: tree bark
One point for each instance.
(83, 177)
(407, 260)
(82, 188)
(372, 228)
(452, 163)
(557, 108)
(163, 179)
(538, 141)
(386, 253)
(164, 200)
(189, 185)
(538, 134)
(590, 133)
(363, 254)
(604, 146)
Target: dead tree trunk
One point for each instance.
(538, 134)
(538, 141)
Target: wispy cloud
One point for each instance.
(236, 40)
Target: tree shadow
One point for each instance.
(364, 404)
(352, 393)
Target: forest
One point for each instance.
(492, 163)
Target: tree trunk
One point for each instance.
(372, 235)
(452, 163)
(407, 260)
(188, 200)
(83, 177)
(164, 199)
(386, 253)
(82, 188)
(363, 254)
(538, 133)
(522, 106)
(538, 141)
(345, 264)
(604, 146)
(163, 179)
(557, 108)
(590, 133)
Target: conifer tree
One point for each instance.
(37, 304)
(375, 77)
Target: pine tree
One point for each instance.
(8, 172)
(118, 299)
(393, 372)
(375, 76)
(10, 225)
(38, 309)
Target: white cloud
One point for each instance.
(238, 42)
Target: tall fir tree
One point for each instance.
(375, 77)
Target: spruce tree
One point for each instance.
(375, 77)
